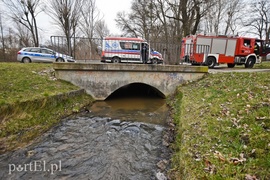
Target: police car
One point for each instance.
(39, 54)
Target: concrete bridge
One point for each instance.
(101, 80)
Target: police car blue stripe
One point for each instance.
(38, 55)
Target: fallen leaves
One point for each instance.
(210, 168)
(250, 177)
(218, 155)
(239, 160)
(262, 118)
(232, 160)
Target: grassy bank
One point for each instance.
(263, 65)
(223, 124)
(32, 101)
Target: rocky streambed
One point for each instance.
(87, 146)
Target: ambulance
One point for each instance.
(129, 50)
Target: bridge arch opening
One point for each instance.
(137, 90)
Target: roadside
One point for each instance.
(32, 101)
(262, 67)
(229, 70)
(223, 124)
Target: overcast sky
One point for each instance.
(108, 9)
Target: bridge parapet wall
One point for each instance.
(100, 80)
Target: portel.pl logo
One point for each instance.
(35, 166)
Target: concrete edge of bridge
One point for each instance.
(129, 67)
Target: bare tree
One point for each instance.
(212, 19)
(144, 20)
(161, 10)
(92, 27)
(142, 15)
(101, 29)
(259, 22)
(224, 17)
(90, 17)
(2, 37)
(25, 12)
(127, 25)
(66, 14)
(232, 13)
(134, 23)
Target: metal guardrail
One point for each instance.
(82, 48)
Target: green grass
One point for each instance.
(263, 65)
(32, 101)
(223, 124)
(24, 82)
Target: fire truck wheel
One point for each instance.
(250, 63)
(116, 60)
(230, 65)
(211, 62)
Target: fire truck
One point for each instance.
(214, 50)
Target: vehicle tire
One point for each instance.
(211, 62)
(116, 60)
(26, 60)
(154, 61)
(230, 65)
(250, 63)
(59, 60)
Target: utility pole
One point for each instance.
(2, 34)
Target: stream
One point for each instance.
(120, 138)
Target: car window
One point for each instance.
(34, 50)
(49, 51)
(46, 51)
(130, 45)
(135, 46)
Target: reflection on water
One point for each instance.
(140, 109)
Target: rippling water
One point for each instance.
(116, 139)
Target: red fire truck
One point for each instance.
(215, 50)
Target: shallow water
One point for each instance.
(115, 139)
(140, 109)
